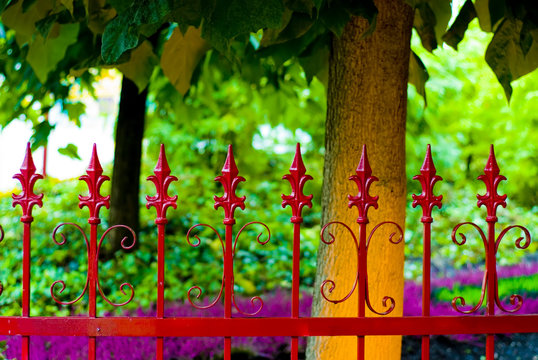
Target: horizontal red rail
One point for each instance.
(247, 327)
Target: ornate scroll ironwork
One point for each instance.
(362, 201)
(94, 201)
(491, 200)
(27, 199)
(229, 202)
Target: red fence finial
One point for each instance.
(229, 180)
(95, 178)
(491, 178)
(27, 199)
(297, 178)
(427, 200)
(162, 179)
(364, 180)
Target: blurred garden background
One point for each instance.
(262, 107)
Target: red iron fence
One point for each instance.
(293, 326)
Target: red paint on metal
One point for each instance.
(427, 200)
(363, 201)
(293, 326)
(27, 200)
(296, 200)
(161, 202)
(490, 291)
(247, 327)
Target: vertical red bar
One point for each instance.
(94, 201)
(160, 285)
(229, 202)
(228, 274)
(27, 200)
(491, 267)
(26, 245)
(362, 284)
(295, 281)
(92, 284)
(296, 200)
(426, 274)
(427, 200)
(161, 202)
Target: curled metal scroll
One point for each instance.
(61, 282)
(392, 241)
(124, 246)
(329, 282)
(257, 237)
(515, 300)
(462, 300)
(255, 299)
(464, 238)
(526, 237)
(197, 288)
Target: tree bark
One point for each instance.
(124, 202)
(367, 104)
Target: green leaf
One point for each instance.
(27, 4)
(44, 54)
(40, 136)
(296, 26)
(120, 35)
(315, 60)
(442, 10)
(24, 22)
(418, 75)
(505, 56)
(424, 23)
(71, 151)
(74, 111)
(303, 6)
(490, 13)
(44, 25)
(140, 65)
(240, 17)
(457, 31)
(181, 54)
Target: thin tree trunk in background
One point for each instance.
(124, 203)
(367, 104)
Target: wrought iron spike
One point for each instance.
(162, 180)
(229, 180)
(27, 199)
(427, 200)
(94, 179)
(297, 178)
(491, 178)
(364, 179)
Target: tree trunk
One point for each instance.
(367, 104)
(124, 203)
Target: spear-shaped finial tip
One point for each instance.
(364, 165)
(229, 164)
(162, 162)
(298, 164)
(428, 164)
(28, 162)
(491, 165)
(95, 165)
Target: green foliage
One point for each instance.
(522, 285)
(463, 117)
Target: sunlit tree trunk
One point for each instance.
(367, 98)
